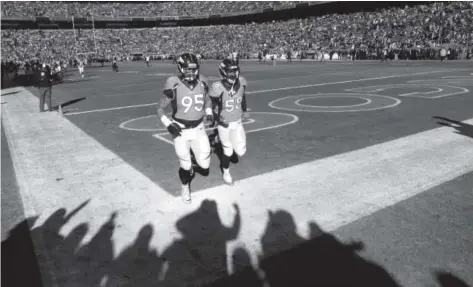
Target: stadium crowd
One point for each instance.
(127, 9)
(414, 32)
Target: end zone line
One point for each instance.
(277, 89)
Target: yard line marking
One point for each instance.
(276, 89)
(147, 81)
(347, 82)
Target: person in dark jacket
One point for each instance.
(45, 87)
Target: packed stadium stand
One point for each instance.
(419, 29)
(120, 9)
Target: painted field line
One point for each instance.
(347, 81)
(153, 82)
(161, 135)
(113, 83)
(276, 89)
(148, 81)
(433, 85)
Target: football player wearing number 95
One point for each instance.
(228, 95)
(188, 96)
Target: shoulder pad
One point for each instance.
(172, 79)
(203, 79)
(217, 85)
(242, 81)
(171, 82)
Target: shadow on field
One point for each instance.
(447, 279)
(68, 103)
(10, 93)
(461, 128)
(197, 258)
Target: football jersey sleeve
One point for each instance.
(169, 85)
(243, 82)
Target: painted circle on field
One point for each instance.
(371, 103)
(149, 123)
(364, 101)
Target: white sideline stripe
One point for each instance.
(273, 90)
(46, 147)
(341, 189)
(332, 192)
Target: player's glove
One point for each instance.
(245, 115)
(174, 129)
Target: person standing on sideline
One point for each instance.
(45, 87)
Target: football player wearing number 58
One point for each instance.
(188, 96)
(228, 95)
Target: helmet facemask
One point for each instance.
(190, 73)
(230, 74)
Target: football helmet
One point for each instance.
(188, 66)
(229, 70)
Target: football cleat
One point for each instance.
(227, 177)
(186, 194)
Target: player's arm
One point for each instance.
(168, 97)
(243, 103)
(243, 100)
(163, 104)
(208, 103)
(215, 94)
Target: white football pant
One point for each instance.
(233, 138)
(197, 140)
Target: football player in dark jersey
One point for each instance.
(188, 96)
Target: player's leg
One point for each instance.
(42, 96)
(227, 147)
(200, 146)
(182, 148)
(49, 96)
(238, 139)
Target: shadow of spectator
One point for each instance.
(137, 265)
(200, 256)
(93, 260)
(461, 128)
(18, 256)
(320, 261)
(449, 280)
(19, 250)
(243, 272)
